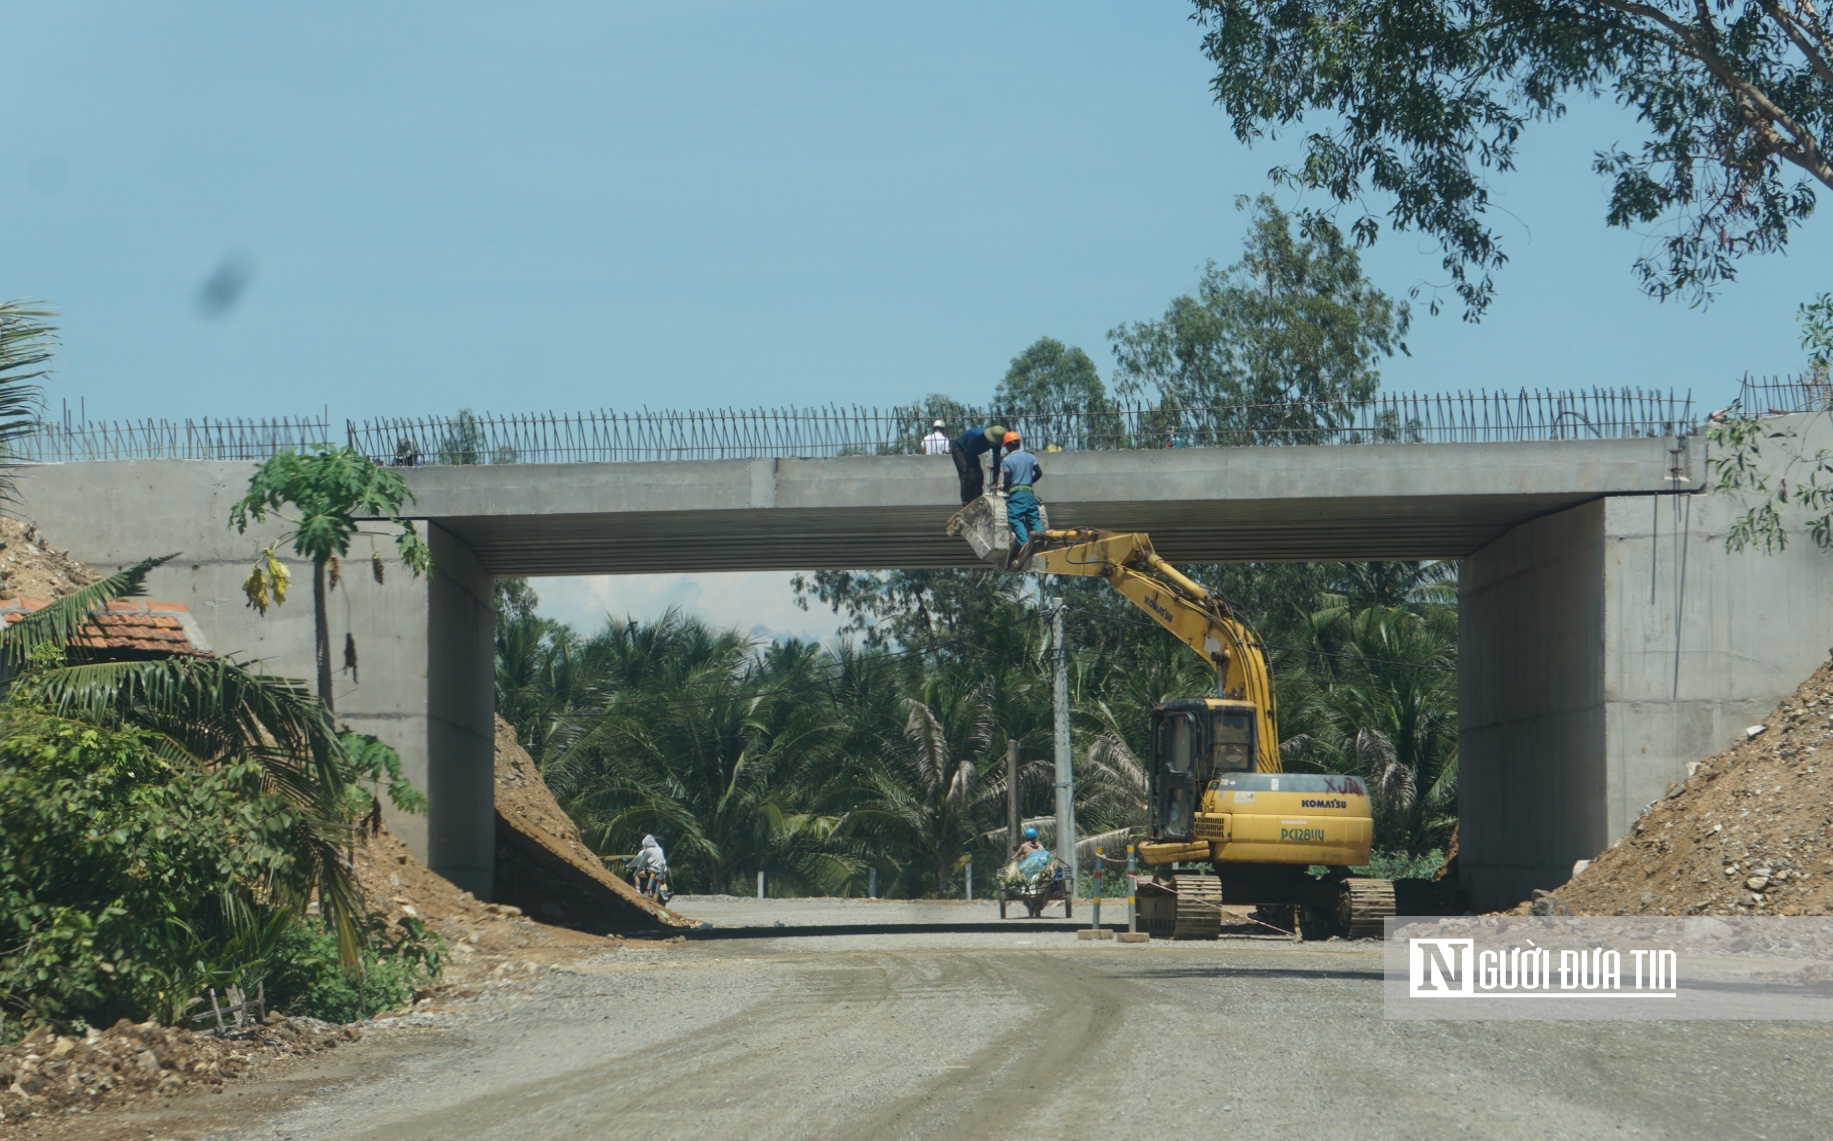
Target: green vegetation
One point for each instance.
(1418, 106)
(1793, 487)
(26, 343)
(1283, 336)
(816, 764)
(168, 825)
(182, 823)
(324, 495)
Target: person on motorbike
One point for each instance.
(648, 864)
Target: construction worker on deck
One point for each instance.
(936, 443)
(1018, 472)
(966, 450)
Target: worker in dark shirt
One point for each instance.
(966, 450)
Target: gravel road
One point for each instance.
(970, 1030)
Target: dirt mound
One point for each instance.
(544, 872)
(542, 864)
(32, 568)
(43, 1074)
(483, 940)
(1749, 832)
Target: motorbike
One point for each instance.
(653, 885)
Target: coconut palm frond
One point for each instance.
(61, 622)
(27, 341)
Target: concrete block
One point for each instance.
(1131, 937)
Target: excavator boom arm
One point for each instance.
(1193, 614)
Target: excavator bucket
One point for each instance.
(983, 524)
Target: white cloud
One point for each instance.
(760, 602)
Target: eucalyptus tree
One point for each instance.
(1413, 110)
(1285, 339)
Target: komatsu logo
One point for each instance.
(1153, 604)
(1310, 803)
(1301, 834)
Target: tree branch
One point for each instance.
(1756, 108)
(1815, 53)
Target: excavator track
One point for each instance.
(1363, 905)
(1193, 912)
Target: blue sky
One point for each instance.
(574, 205)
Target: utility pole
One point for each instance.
(1066, 780)
(1011, 798)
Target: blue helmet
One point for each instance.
(1030, 833)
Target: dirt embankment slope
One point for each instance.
(544, 867)
(32, 568)
(550, 890)
(1749, 832)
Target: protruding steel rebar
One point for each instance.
(832, 430)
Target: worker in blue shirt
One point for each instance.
(1018, 472)
(966, 450)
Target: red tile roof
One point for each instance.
(129, 625)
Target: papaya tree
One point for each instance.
(326, 496)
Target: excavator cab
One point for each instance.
(1193, 740)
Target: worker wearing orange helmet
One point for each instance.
(1018, 474)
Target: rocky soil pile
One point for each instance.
(44, 1074)
(32, 568)
(484, 940)
(1749, 832)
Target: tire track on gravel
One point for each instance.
(1045, 1062)
(499, 1107)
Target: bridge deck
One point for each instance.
(1199, 504)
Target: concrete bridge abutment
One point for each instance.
(1601, 650)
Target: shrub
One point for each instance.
(130, 882)
(127, 882)
(1402, 865)
(308, 980)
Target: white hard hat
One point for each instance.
(937, 424)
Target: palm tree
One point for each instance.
(26, 342)
(699, 739)
(1380, 701)
(205, 711)
(928, 796)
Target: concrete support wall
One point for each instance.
(1602, 649)
(460, 729)
(1531, 735)
(423, 681)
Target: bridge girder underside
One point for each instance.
(912, 537)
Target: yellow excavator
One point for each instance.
(1216, 792)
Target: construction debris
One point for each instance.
(32, 568)
(1748, 832)
(43, 1074)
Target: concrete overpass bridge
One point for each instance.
(1606, 638)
